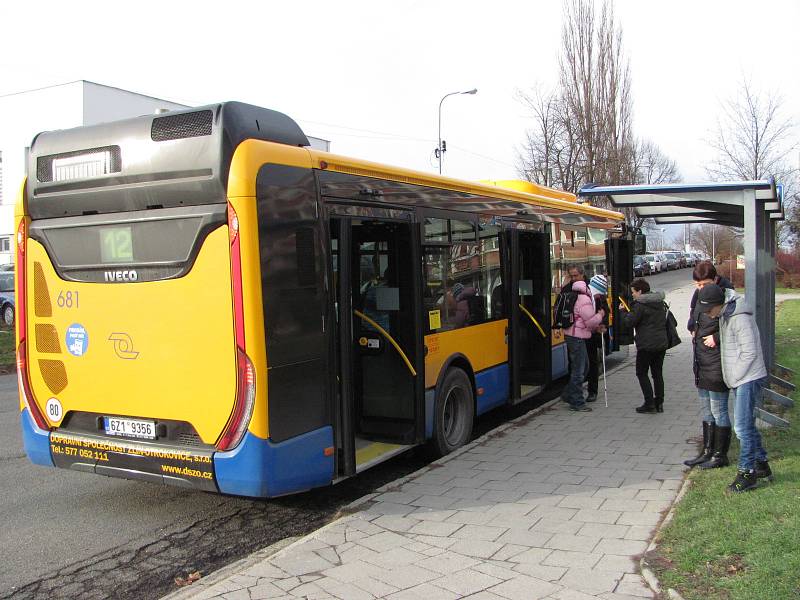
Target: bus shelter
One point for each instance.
(754, 206)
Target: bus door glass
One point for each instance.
(376, 298)
(531, 352)
(619, 254)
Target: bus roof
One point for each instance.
(501, 197)
(182, 158)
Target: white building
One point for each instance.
(24, 114)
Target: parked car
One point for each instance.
(672, 260)
(691, 261)
(7, 308)
(654, 260)
(641, 266)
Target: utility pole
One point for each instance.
(713, 243)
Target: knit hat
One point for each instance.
(709, 296)
(599, 285)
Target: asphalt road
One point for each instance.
(66, 534)
(671, 280)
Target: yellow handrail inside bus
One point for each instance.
(535, 322)
(625, 304)
(383, 332)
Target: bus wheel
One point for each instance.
(454, 413)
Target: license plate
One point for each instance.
(130, 428)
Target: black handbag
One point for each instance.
(673, 339)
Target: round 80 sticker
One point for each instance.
(54, 410)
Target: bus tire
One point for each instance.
(454, 413)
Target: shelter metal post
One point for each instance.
(773, 244)
(755, 273)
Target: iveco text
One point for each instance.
(121, 275)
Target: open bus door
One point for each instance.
(378, 340)
(529, 301)
(619, 257)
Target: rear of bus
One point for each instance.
(140, 329)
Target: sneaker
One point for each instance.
(581, 408)
(744, 482)
(763, 471)
(591, 398)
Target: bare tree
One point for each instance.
(717, 241)
(650, 165)
(582, 131)
(754, 140)
(595, 87)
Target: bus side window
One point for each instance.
(491, 273)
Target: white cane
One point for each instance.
(603, 351)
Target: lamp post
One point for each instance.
(439, 148)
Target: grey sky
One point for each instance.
(369, 75)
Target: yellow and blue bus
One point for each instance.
(205, 301)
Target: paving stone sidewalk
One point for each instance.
(556, 505)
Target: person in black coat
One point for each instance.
(648, 316)
(710, 384)
(704, 273)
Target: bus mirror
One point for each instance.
(640, 244)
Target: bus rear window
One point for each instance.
(162, 243)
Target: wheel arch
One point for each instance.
(460, 361)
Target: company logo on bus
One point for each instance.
(121, 276)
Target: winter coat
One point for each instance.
(648, 317)
(708, 361)
(742, 357)
(586, 318)
(722, 282)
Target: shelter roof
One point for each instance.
(721, 203)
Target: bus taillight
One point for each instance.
(21, 280)
(25, 387)
(233, 223)
(243, 406)
(22, 313)
(245, 372)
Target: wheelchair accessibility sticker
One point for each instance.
(77, 339)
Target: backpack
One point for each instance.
(563, 312)
(673, 339)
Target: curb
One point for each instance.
(234, 568)
(647, 574)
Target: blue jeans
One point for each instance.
(715, 407)
(578, 365)
(751, 449)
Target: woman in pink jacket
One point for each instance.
(586, 321)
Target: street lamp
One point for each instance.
(440, 148)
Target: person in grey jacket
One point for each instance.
(648, 316)
(744, 372)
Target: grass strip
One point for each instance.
(742, 546)
(7, 350)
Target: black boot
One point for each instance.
(659, 402)
(708, 445)
(744, 482)
(722, 441)
(763, 471)
(649, 406)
